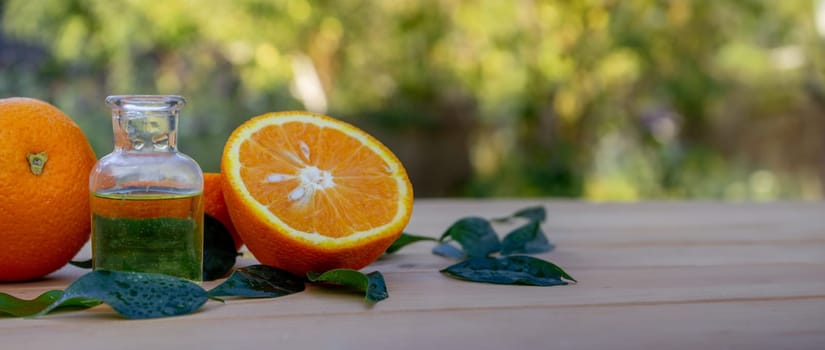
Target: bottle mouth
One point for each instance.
(146, 102)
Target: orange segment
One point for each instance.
(311, 193)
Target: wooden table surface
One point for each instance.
(653, 275)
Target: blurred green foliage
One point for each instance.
(600, 99)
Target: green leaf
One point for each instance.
(372, 284)
(514, 269)
(527, 239)
(219, 252)
(83, 264)
(536, 213)
(135, 294)
(404, 240)
(13, 306)
(259, 281)
(476, 236)
(448, 250)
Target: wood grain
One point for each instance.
(674, 275)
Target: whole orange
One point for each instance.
(214, 205)
(309, 192)
(44, 182)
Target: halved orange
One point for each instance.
(307, 192)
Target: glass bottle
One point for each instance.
(146, 197)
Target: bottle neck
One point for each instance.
(145, 133)
(145, 123)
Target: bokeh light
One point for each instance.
(593, 99)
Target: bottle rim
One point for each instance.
(146, 102)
